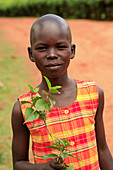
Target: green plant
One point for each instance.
(37, 111)
(83, 9)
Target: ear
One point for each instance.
(73, 46)
(30, 54)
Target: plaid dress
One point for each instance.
(75, 123)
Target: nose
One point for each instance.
(52, 54)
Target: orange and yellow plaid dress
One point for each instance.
(75, 123)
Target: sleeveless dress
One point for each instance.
(75, 123)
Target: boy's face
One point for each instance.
(51, 48)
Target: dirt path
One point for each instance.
(94, 56)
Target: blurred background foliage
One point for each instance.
(76, 9)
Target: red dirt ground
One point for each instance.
(94, 56)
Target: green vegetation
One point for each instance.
(13, 80)
(85, 9)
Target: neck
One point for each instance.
(61, 81)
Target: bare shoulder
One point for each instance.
(100, 101)
(17, 113)
(100, 91)
(17, 118)
(16, 108)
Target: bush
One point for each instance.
(82, 9)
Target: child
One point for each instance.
(77, 115)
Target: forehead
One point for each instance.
(50, 28)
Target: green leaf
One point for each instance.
(69, 154)
(44, 92)
(52, 95)
(52, 147)
(37, 89)
(66, 165)
(48, 82)
(31, 88)
(60, 141)
(66, 154)
(57, 140)
(57, 145)
(36, 115)
(32, 116)
(63, 154)
(51, 155)
(52, 102)
(28, 114)
(42, 105)
(35, 99)
(23, 102)
(56, 87)
(66, 143)
(74, 156)
(54, 91)
(28, 111)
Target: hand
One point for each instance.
(53, 165)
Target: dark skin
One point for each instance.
(51, 51)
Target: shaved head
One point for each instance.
(53, 19)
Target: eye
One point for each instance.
(61, 47)
(41, 48)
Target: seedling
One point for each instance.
(37, 109)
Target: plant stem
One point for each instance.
(47, 129)
(32, 99)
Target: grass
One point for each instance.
(13, 82)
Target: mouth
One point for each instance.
(53, 66)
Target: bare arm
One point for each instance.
(105, 158)
(20, 145)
